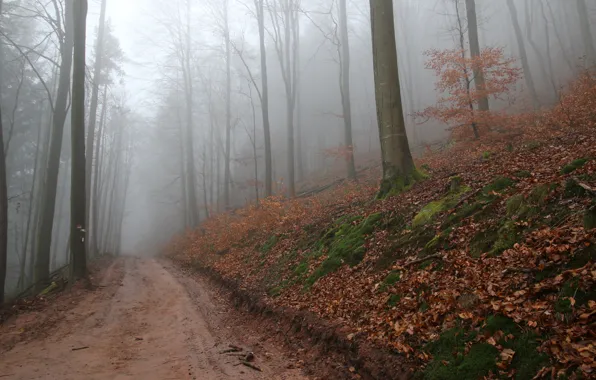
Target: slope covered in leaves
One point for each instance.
(486, 268)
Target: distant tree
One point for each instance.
(77, 188)
(584, 24)
(475, 50)
(345, 86)
(3, 202)
(523, 55)
(397, 162)
(97, 70)
(457, 104)
(285, 20)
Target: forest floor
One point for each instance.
(145, 319)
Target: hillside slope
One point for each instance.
(486, 268)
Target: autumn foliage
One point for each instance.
(457, 104)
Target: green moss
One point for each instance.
(449, 348)
(428, 212)
(486, 155)
(406, 241)
(499, 322)
(527, 361)
(269, 244)
(393, 300)
(574, 165)
(483, 242)
(301, 269)
(522, 174)
(345, 246)
(540, 193)
(573, 189)
(494, 242)
(399, 184)
(514, 204)
(433, 243)
(498, 185)
(391, 279)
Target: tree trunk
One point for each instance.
(91, 228)
(584, 24)
(96, 175)
(523, 54)
(475, 52)
(190, 158)
(3, 206)
(21, 284)
(291, 46)
(44, 242)
(345, 87)
(397, 162)
(265, 99)
(227, 171)
(77, 188)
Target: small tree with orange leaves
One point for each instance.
(457, 104)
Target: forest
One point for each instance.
(408, 186)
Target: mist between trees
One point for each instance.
(196, 107)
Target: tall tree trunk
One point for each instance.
(99, 47)
(44, 241)
(584, 24)
(96, 174)
(523, 53)
(475, 52)
(345, 87)
(291, 72)
(77, 188)
(190, 157)
(227, 171)
(397, 162)
(3, 204)
(21, 284)
(183, 186)
(265, 99)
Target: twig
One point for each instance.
(249, 365)
(430, 257)
(80, 348)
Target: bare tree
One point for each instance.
(584, 24)
(77, 188)
(44, 241)
(99, 47)
(264, 97)
(284, 18)
(3, 203)
(345, 87)
(523, 53)
(397, 162)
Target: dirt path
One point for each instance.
(152, 323)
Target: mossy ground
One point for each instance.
(399, 184)
(574, 165)
(343, 244)
(451, 361)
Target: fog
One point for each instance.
(182, 79)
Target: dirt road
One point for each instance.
(146, 321)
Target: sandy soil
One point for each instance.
(146, 320)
